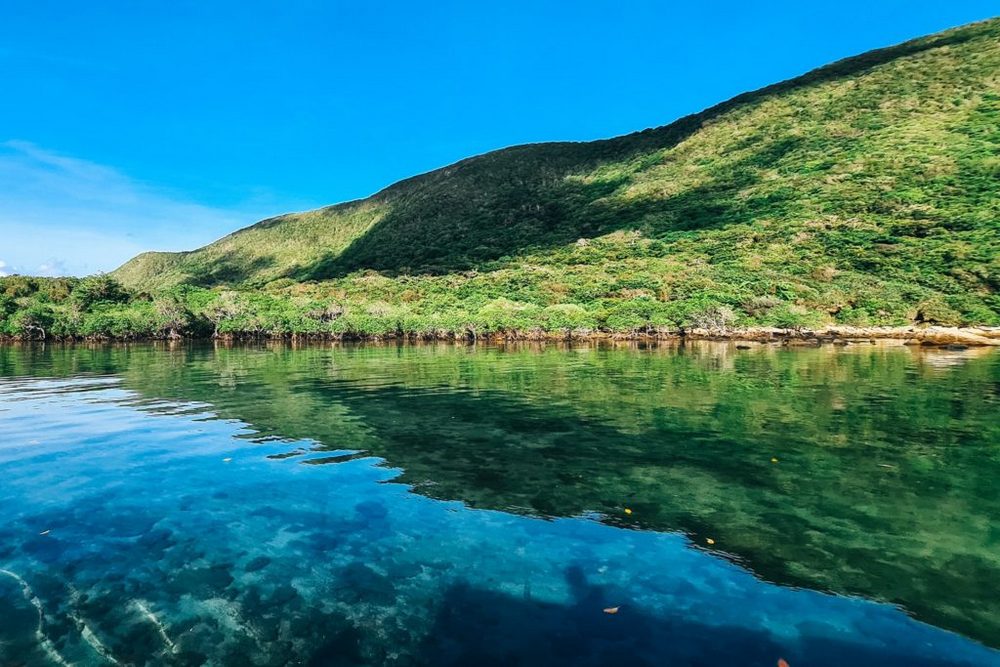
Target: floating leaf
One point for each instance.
(709, 540)
(628, 511)
(45, 532)
(611, 610)
(782, 662)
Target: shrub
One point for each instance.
(638, 314)
(7, 306)
(506, 315)
(935, 311)
(568, 316)
(759, 305)
(791, 316)
(713, 318)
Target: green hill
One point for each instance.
(864, 192)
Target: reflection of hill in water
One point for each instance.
(886, 457)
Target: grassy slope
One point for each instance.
(862, 192)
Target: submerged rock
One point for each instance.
(157, 541)
(370, 509)
(201, 582)
(360, 583)
(282, 595)
(46, 549)
(257, 564)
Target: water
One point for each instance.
(446, 505)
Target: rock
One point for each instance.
(360, 583)
(257, 564)
(202, 582)
(955, 336)
(282, 595)
(371, 510)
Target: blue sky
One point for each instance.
(130, 126)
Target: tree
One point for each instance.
(32, 322)
(226, 307)
(100, 288)
(18, 286)
(172, 317)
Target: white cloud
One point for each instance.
(64, 215)
(3, 265)
(53, 267)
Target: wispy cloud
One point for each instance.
(53, 267)
(63, 215)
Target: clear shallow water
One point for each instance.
(504, 536)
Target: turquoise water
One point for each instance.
(144, 523)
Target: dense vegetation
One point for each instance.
(865, 192)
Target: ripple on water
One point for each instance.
(160, 552)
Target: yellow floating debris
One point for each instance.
(628, 511)
(611, 610)
(709, 540)
(774, 460)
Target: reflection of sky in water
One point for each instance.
(160, 549)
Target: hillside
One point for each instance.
(864, 192)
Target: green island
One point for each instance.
(864, 193)
(723, 391)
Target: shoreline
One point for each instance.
(930, 336)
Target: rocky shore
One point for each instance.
(930, 336)
(913, 335)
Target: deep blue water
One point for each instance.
(144, 531)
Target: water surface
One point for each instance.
(449, 505)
